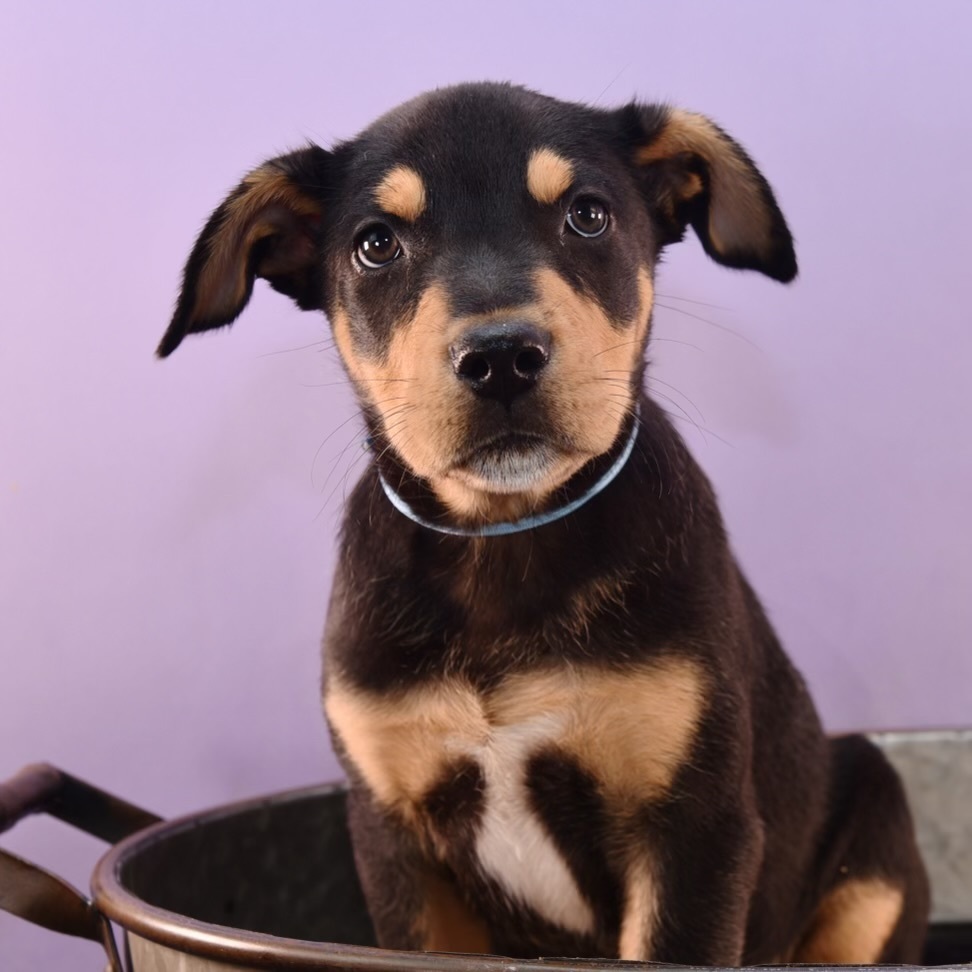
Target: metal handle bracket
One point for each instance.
(32, 893)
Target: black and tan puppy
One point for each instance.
(568, 726)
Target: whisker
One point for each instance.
(349, 381)
(705, 320)
(347, 474)
(668, 340)
(399, 410)
(351, 465)
(611, 83)
(658, 381)
(689, 300)
(350, 418)
(704, 431)
(623, 344)
(604, 378)
(336, 462)
(354, 461)
(327, 438)
(685, 414)
(320, 345)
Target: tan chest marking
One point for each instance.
(400, 743)
(631, 729)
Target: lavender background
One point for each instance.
(167, 530)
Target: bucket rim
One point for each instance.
(259, 950)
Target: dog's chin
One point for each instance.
(514, 465)
(513, 472)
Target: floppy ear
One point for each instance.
(268, 226)
(693, 172)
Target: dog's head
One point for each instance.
(486, 255)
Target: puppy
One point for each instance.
(567, 724)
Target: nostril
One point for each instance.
(474, 367)
(501, 359)
(529, 362)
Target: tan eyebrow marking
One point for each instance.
(548, 175)
(402, 193)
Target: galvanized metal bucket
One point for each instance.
(270, 883)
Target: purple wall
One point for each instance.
(167, 530)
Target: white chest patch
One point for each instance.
(512, 845)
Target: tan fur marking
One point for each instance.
(400, 743)
(640, 914)
(738, 218)
(693, 185)
(549, 175)
(447, 924)
(413, 387)
(269, 202)
(631, 729)
(600, 593)
(341, 327)
(852, 924)
(402, 193)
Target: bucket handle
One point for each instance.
(32, 893)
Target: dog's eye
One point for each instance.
(376, 246)
(587, 217)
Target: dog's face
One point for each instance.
(486, 257)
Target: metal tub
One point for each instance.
(270, 883)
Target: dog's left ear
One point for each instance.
(269, 227)
(694, 173)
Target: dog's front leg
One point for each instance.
(413, 901)
(690, 907)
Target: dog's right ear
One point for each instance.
(269, 227)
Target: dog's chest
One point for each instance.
(626, 731)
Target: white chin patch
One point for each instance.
(513, 471)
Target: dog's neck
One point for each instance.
(509, 599)
(524, 523)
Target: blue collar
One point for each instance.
(528, 522)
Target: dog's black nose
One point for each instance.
(501, 359)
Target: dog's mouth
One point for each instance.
(510, 462)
